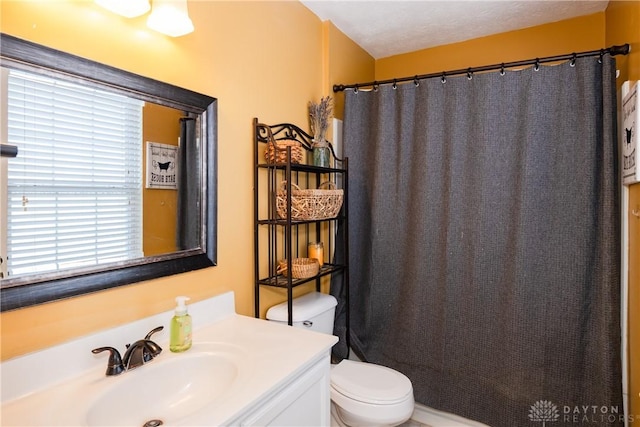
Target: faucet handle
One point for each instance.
(151, 346)
(114, 365)
(153, 331)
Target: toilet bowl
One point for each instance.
(362, 394)
(365, 394)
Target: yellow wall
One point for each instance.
(572, 35)
(259, 59)
(347, 63)
(160, 206)
(623, 26)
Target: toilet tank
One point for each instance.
(313, 311)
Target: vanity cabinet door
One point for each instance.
(305, 401)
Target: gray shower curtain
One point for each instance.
(484, 242)
(189, 187)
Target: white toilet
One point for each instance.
(362, 394)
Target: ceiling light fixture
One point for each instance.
(126, 8)
(170, 17)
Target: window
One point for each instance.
(74, 192)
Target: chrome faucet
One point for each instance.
(137, 354)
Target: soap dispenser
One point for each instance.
(180, 339)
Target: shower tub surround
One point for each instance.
(276, 375)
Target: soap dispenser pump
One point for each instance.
(180, 336)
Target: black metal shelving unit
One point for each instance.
(275, 238)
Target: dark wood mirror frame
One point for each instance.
(31, 290)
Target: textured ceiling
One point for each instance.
(385, 28)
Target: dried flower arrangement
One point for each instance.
(319, 115)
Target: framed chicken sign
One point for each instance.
(630, 120)
(162, 168)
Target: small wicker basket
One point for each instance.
(301, 268)
(276, 151)
(310, 204)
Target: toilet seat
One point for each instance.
(364, 394)
(370, 383)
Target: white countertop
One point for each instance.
(270, 354)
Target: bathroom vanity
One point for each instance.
(240, 371)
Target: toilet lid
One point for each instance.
(370, 383)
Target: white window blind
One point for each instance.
(74, 191)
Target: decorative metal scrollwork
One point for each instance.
(286, 131)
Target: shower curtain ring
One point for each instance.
(537, 66)
(395, 84)
(355, 89)
(416, 81)
(502, 69)
(469, 73)
(573, 59)
(375, 86)
(444, 77)
(601, 56)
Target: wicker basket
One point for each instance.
(276, 151)
(310, 204)
(301, 268)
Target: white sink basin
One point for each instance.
(165, 390)
(235, 371)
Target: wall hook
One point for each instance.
(636, 212)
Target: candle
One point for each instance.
(316, 250)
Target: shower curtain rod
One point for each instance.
(613, 51)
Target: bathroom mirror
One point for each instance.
(191, 198)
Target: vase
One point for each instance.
(321, 156)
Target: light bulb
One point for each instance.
(170, 17)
